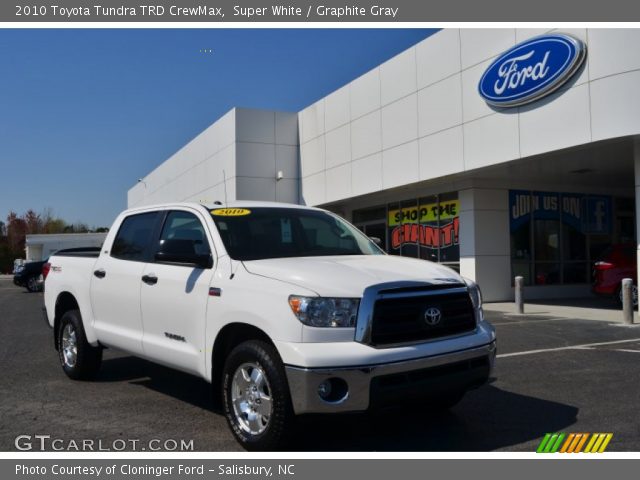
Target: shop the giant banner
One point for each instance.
(431, 225)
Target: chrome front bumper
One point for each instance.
(304, 382)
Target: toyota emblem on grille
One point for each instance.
(432, 316)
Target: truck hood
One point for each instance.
(348, 276)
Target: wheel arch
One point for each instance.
(227, 338)
(64, 303)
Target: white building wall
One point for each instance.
(409, 127)
(419, 116)
(237, 158)
(195, 172)
(484, 240)
(41, 246)
(267, 143)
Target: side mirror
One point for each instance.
(182, 252)
(197, 260)
(376, 240)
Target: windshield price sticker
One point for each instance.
(230, 212)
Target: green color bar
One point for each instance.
(550, 443)
(555, 448)
(543, 443)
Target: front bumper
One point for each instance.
(375, 385)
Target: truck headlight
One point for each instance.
(476, 297)
(325, 312)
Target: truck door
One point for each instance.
(116, 282)
(174, 295)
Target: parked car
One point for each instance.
(29, 275)
(284, 309)
(17, 264)
(616, 262)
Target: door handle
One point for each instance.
(150, 279)
(100, 273)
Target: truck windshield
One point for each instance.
(267, 232)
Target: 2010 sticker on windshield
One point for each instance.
(230, 212)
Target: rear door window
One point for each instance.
(134, 238)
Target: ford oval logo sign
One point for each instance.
(531, 70)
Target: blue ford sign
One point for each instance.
(531, 70)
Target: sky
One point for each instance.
(85, 113)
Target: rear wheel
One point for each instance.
(256, 398)
(32, 284)
(79, 359)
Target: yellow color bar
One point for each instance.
(607, 439)
(596, 445)
(591, 442)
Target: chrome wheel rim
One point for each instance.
(251, 398)
(69, 346)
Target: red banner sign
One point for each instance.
(426, 235)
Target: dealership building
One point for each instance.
(534, 178)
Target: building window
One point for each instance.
(424, 227)
(552, 235)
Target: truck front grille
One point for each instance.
(414, 315)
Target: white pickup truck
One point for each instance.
(284, 309)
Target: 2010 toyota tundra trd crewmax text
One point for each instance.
(284, 309)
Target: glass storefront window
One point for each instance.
(574, 243)
(449, 224)
(411, 218)
(369, 214)
(425, 227)
(522, 270)
(547, 273)
(521, 243)
(575, 272)
(546, 234)
(555, 237)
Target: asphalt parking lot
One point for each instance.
(552, 374)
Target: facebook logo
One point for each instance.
(598, 215)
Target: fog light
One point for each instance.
(333, 390)
(324, 389)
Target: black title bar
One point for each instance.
(318, 11)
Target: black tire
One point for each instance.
(281, 418)
(87, 357)
(32, 284)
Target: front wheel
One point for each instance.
(256, 398)
(79, 359)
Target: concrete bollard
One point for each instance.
(519, 290)
(627, 301)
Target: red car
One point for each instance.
(617, 262)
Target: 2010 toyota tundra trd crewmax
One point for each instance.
(285, 309)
